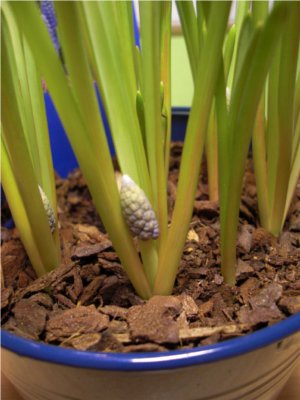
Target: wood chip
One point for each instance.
(6, 295)
(84, 250)
(290, 304)
(155, 320)
(114, 311)
(77, 320)
(30, 318)
(245, 238)
(189, 306)
(87, 341)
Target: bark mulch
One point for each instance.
(89, 304)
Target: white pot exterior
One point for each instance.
(258, 374)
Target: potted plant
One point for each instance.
(97, 42)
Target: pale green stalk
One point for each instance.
(32, 112)
(296, 138)
(260, 164)
(20, 79)
(246, 33)
(295, 168)
(294, 177)
(260, 10)
(242, 8)
(40, 128)
(224, 142)
(272, 134)
(79, 73)
(227, 137)
(228, 50)
(98, 173)
(286, 93)
(118, 98)
(102, 20)
(195, 30)
(20, 165)
(26, 148)
(166, 33)
(297, 92)
(150, 31)
(245, 99)
(124, 23)
(211, 146)
(202, 9)
(140, 109)
(207, 74)
(188, 21)
(211, 142)
(260, 13)
(18, 211)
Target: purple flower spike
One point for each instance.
(49, 18)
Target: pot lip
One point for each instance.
(151, 361)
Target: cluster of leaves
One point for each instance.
(260, 80)
(252, 58)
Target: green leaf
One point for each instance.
(18, 163)
(98, 173)
(150, 31)
(286, 95)
(188, 20)
(207, 75)
(244, 104)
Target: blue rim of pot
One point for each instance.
(151, 361)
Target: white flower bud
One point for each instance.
(137, 210)
(49, 210)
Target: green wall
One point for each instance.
(182, 84)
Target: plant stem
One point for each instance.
(188, 21)
(242, 8)
(98, 173)
(150, 17)
(260, 164)
(166, 33)
(193, 147)
(246, 96)
(212, 157)
(19, 213)
(286, 93)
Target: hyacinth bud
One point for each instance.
(49, 18)
(47, 9)
(137, 210)
(49, 210)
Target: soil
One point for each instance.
(89, 304)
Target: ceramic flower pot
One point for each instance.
(252, 367)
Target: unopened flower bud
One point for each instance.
(137, 210)
(49, 210)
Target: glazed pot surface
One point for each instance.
(257, 374)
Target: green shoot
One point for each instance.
(194, 25)
(165, 78)
(252, 68)
(26, 160)
(96, 165)
(275, 139)
(207, 74)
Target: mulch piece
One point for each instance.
(88, 303)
